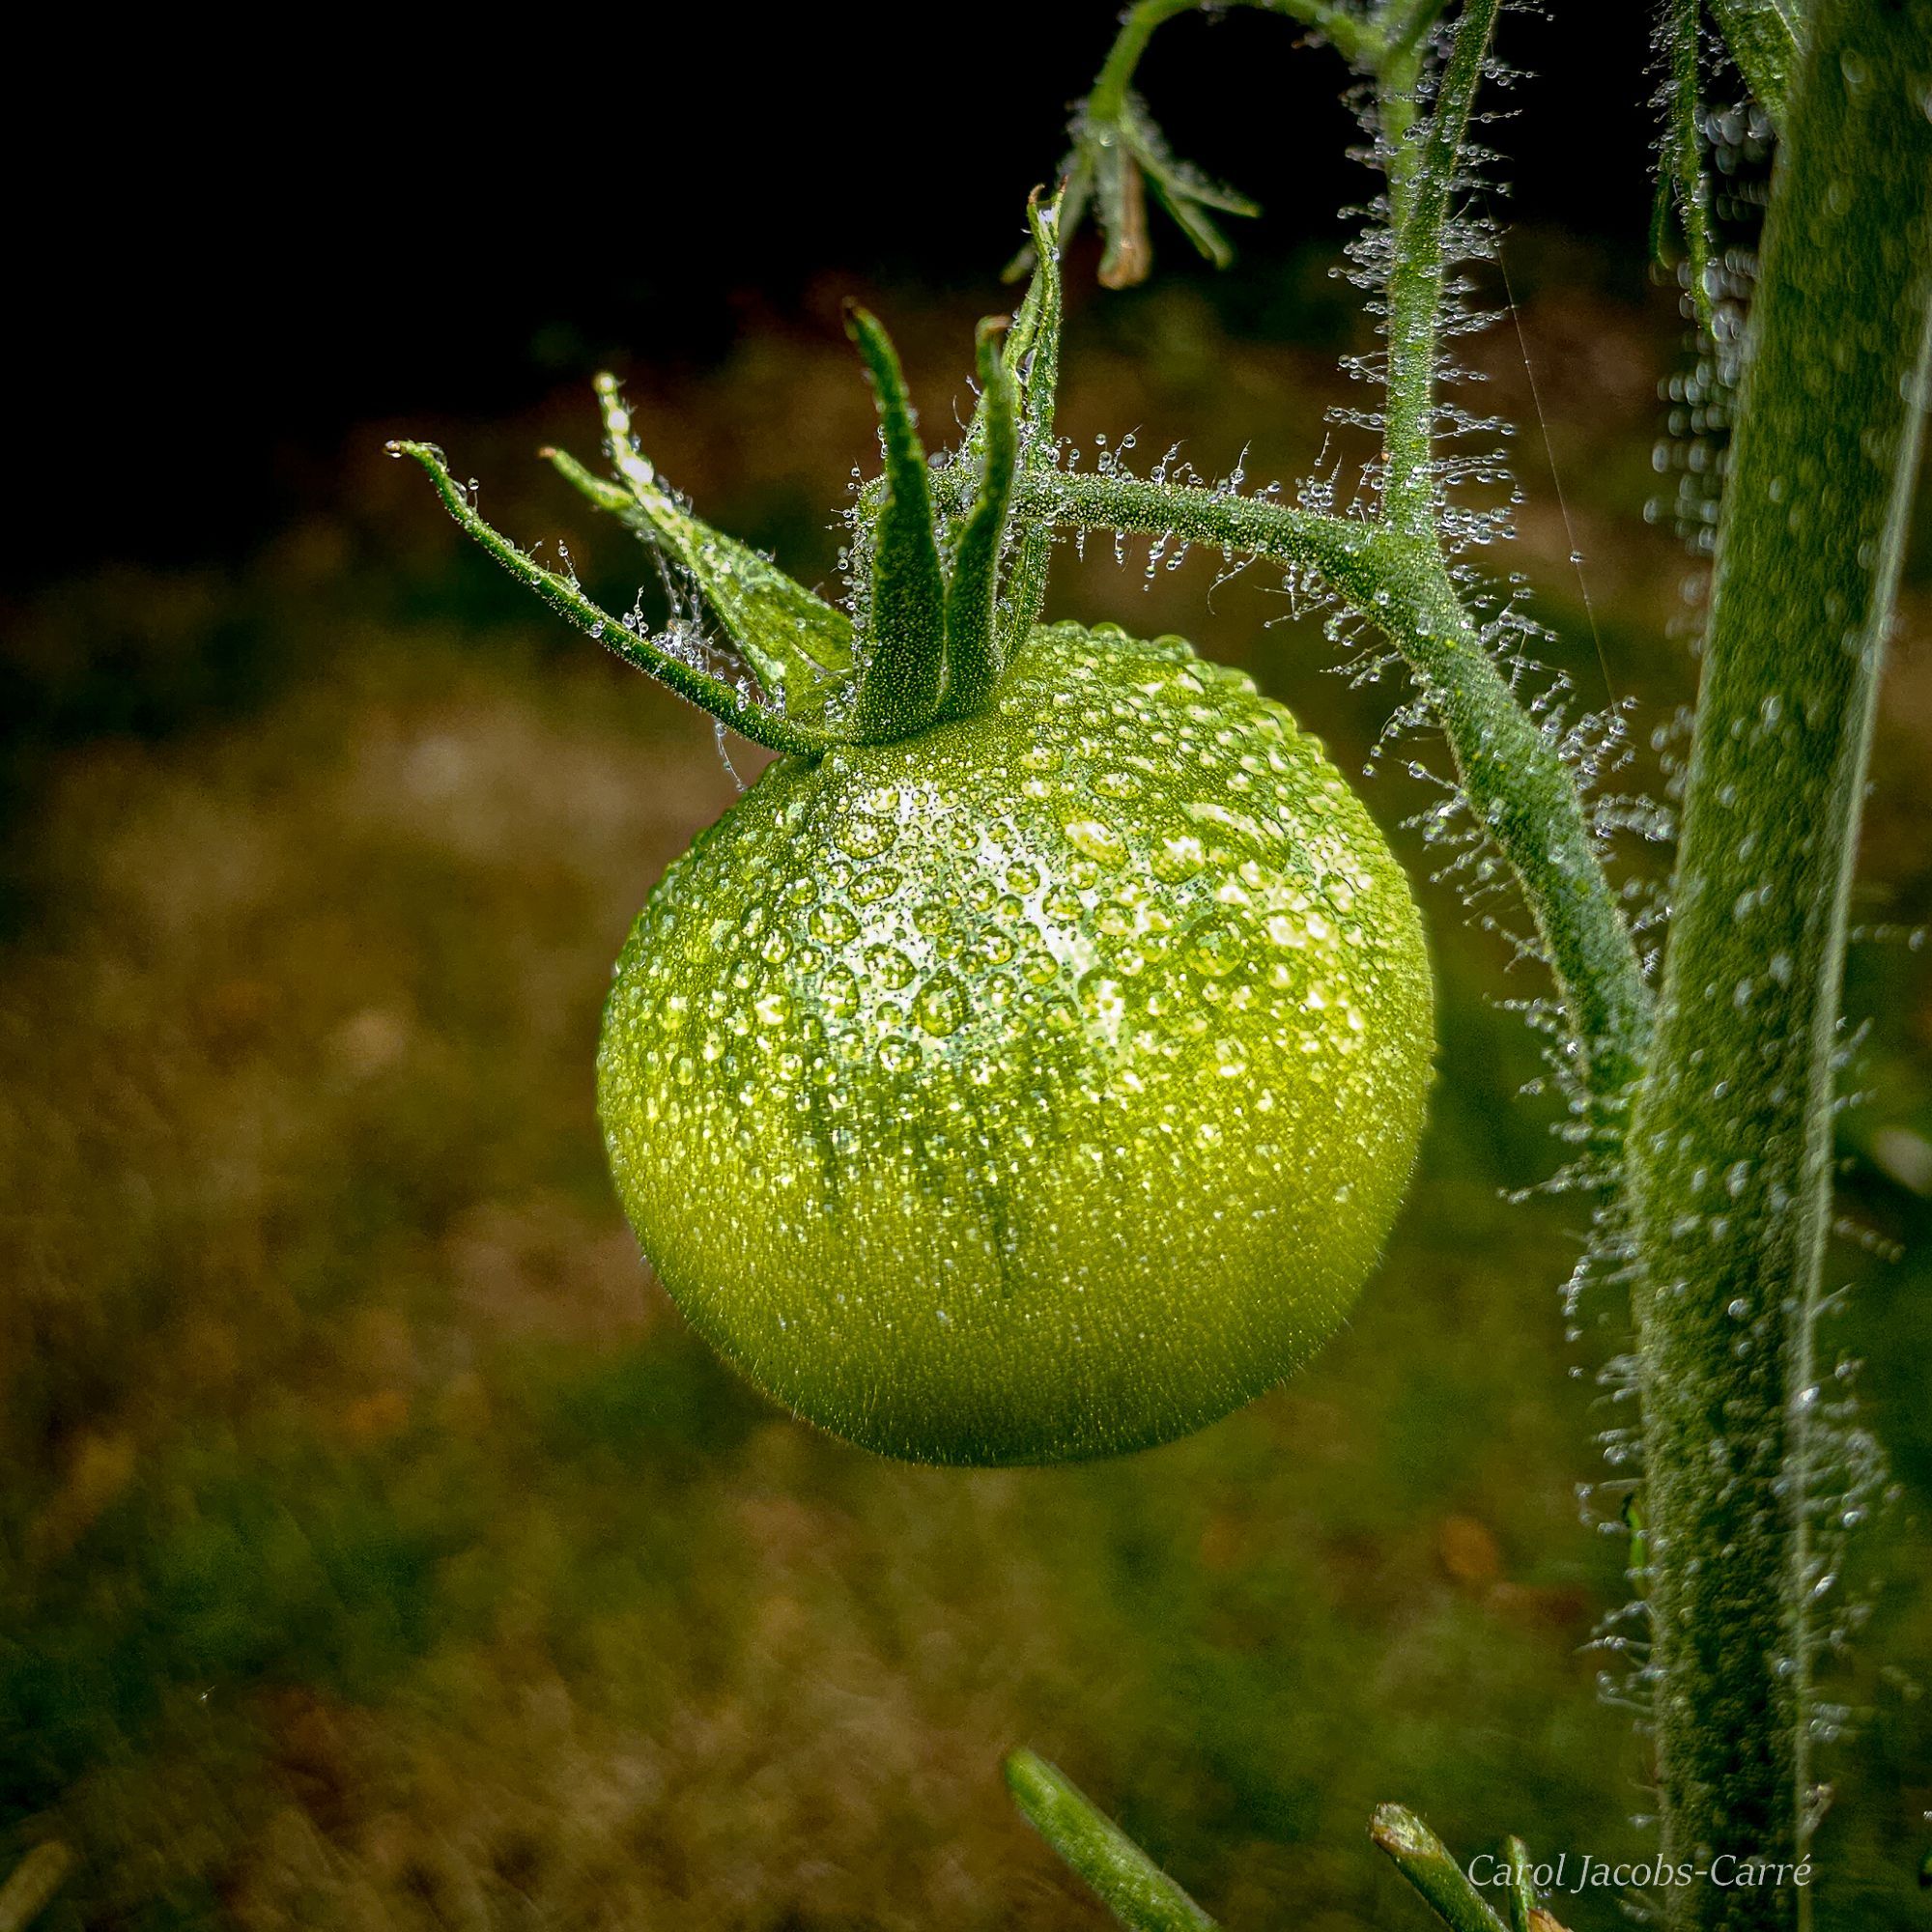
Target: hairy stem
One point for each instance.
(1766, 38)
(1115, 77)
(1398, 68)
(1687, 164)
(1516, 782)
(1135, 1890)
(1420, 183)
(1360, 42)
(1731, 1142)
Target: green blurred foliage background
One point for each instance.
(376, 1547)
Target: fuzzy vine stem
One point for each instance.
(1685, 174)
(1392, 570)
(1520, 789)
(1358, 39)
(1730, 1145)
(1395, 31)
(1135, 1890)
(1419, 191)
(1767, 40)
(1398, 71)
(1115, 78)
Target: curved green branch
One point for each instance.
(1392, 571)
(1520, 790)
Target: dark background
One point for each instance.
(253, 249)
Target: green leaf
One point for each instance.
(1121, 1875)
(1137, 150)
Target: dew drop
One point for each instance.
(941, 1005)
(1215, 949)
(890, 966)
(1097, 840)
(865, 838)
(832, 922)
(1178, 858)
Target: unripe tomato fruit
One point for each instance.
(1038, 1087)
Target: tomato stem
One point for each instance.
(1518, 786)
(1423, 175)
(1731, 1151)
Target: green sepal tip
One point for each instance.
(902, 676)
(1033, 353)
(797, 644)
(974, 646)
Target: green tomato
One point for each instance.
(1035, 1088)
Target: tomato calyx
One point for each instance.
(941, 602)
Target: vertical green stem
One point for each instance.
(1686, 162)
(1421, 181)
(1730, 1146)
(1398, 74)
(1765, 37)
